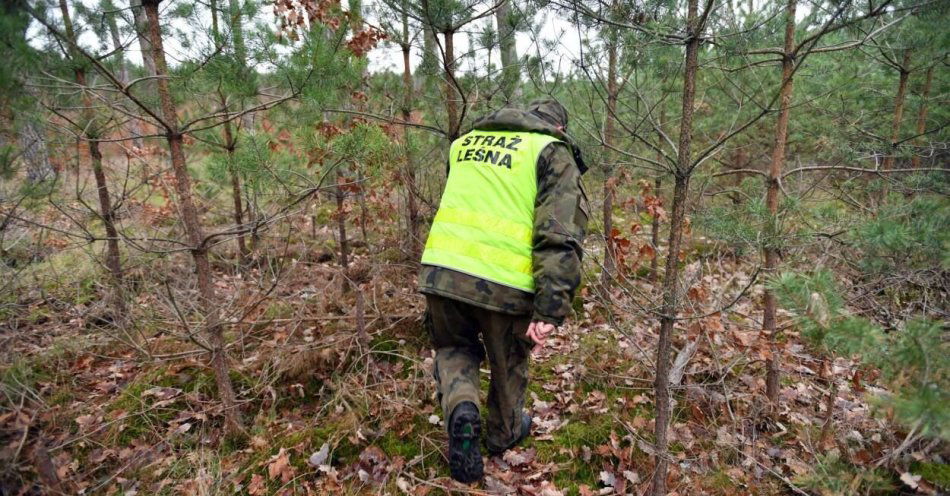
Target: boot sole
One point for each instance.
(465, 457)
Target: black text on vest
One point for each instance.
(487, 149)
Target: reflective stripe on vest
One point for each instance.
(485, 223)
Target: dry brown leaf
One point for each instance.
(258, 486)
(279, 466)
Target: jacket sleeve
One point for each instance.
(560, 222)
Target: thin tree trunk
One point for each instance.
(237, 30)
(90, 130)
(215, 27)
(113, 261)
(341, 222)
(361, 320)
(363, 211)
(451, 100)
(35, 152)
(770, 251)
(826, 439)
(609, 253)
(119, 50)
(922, 112)
(510, 68)
(671, 276)
(655, 236)
(429, 65)
(230, 144)
(898, 109)
(610, 250)
(145, 89)
(655, 223)
(409, 170)
(189, 214)
(240, 51)
(148, 58)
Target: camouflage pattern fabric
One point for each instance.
(561, 213)
(455, 328)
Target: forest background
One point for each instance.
(211, 216)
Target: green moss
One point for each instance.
(39, 315)
(62, 396)
(392, 255)
(23, 373)
(407, 447)
(324, 215)
(69, 275)
(565, 448)
(278, 310)
(831, 475)
(141, 420)
(385, 346)
(26, 372)
(937, 473)
(574, 435)
(719, 480)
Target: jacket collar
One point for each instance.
(512, 119)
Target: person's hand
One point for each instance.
(538, 332)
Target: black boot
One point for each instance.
(465, 456)
(525, 432)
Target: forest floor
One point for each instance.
(329, 414)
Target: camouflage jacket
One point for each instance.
(560, 221)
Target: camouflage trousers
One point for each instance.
(455, 328)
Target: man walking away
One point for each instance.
(503, 258)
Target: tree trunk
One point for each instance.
(230, 144)
(119, 50)
(409, 170)
(113, 261)
(141, 30)
(34, 151)
(898, 109)
(655, 236)
(671, 276)
(451, 100)
(510, 68)
(361, 180)
(429, 65)
(655, 223)
(189, 214)
(922, 112)
(146, 89)
(665, 340)
(215, 27)
(237, 30)
(826, 439)
(90, 134)
(240, 51)
(610, 250)
(770, 252)
(341, 222)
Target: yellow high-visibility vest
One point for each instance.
(485, 223)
